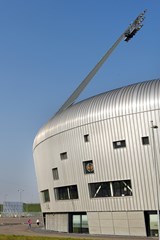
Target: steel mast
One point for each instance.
(126, 35)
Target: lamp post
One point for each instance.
(129, 33)
(20, 194)
(20, 201)
(155, 162)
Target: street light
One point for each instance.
(155, 162)
(20, 200)
(134, 27)
(126, 35)
(20, 194)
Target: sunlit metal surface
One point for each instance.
(132, 99)
(120, 147)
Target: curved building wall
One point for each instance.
(97, 157)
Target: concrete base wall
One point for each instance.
(117, 223)
(57, 222)
(109, 223)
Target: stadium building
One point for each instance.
(97, 161)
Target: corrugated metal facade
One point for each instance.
(125, 113)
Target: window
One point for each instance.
(63, 155)
(45, 195)
(88, 167)
(101, 189)
(67, 192)
(110, 189)
(61, 193)
(78, 222)
(145, 140)
(55, 173)
(151, 219)
(119, 144)
(73, 193)
(122, 188)
(86, 138)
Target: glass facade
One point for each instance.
(153, 225)
(151, 220)
(78, 223)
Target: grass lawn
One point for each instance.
(13, 237)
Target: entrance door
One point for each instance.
(153, 222)
(78, 223)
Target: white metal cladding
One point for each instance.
(124, 113)
(135, 98)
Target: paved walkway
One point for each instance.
(20, 227)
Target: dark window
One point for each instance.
(45, 195)
(101, 189)
(119, 144)
(63, 155)
(145, 140)
(88, 167)
(61, 193)
(110, 189)
(73, 193)
(122, 188)
(67, 192)
(55, 173)
(86, 138)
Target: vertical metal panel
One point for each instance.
(123, 114)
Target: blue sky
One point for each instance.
(46, 49)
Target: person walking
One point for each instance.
(38, 222)
(29, 223)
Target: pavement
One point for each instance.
(19, 227)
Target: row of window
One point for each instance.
(96, 190)
(116, 144)
(122, 143)
(87, 167)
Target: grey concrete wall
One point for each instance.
(117, 223)
(57, 222)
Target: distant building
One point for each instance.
(97, 164)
